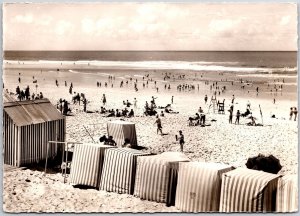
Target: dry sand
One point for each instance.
(221, 142)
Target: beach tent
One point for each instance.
(247, 190)
(199, 185)
(87, 163)
(121, 130)
(27, 127)
(156, 177)
(287, 194)
(119, 169)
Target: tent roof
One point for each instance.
(166, 158)
(31, 111)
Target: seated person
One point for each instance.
(131, 113)
(252, 123)
(110, 141)
(200, 110)
(102, 110)
(124, 112)
(118, 114)
(127, 143)
(128, 104)
(162, 114)
(111, 113)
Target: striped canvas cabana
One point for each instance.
(156, 177)
(121, 130)
(199, 185)
(119, 170)
(246, 190)
(27, 127)
(287, 194)
(87, 163)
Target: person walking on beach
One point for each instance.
(84, 104)
(295, 113)
(230, 116)
(205, 99)
(135, 103)
(291, 113)
(232, 101)
(237, 120)
(158, 123)
(172, 99)
(103, 99)
(180, 138)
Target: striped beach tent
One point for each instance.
(121, 130)
(119, 170)
(246, 190)
(27, 127)
(199, 185)
(156, 177)
(87, 163)
(287, 194)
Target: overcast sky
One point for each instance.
(150, 26)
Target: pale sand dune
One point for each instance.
(221, 142)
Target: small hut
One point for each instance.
(287, 194)
(199, 186)
(120, 130)
(119, 170)
(247, 190)
(27, 127)
(156, 177)
(87, 164)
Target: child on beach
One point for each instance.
(181, 140)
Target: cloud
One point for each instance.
(27, 18)
(87, 26)
(63, 27)
(285, 20)
(44, 20)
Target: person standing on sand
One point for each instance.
(158, 122)
(172, 99)
(237, 120)
(135, 103)
(295, 113)
(291, 113)
(84, 104)
(205, 99)
(103, 99)
(180, 138)
(232, 101)
(230, 116)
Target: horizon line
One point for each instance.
(13, 50)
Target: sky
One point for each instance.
(150, 26)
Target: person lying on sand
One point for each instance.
(169, 110)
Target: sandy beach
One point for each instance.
(220, 142)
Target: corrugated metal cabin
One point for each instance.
(27, 127)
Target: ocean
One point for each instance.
(260, 62)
